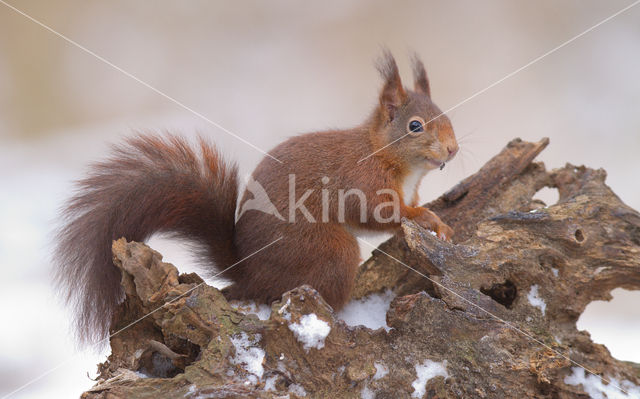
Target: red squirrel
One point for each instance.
(155, 184)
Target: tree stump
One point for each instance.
(490, 315)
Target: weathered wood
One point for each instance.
(497, 307)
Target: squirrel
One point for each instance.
(360, 179)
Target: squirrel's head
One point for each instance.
(407, 123)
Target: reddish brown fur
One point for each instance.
(162, 185)
(151, 185)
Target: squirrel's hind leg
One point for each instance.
(324, 255)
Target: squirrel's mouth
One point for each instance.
(435, 164)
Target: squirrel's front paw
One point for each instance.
(443, 231)
(431, 221)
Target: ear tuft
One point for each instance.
(421, 82)
(392, 95)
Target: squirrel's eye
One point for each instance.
(415, 126)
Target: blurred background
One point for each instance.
(270, 70)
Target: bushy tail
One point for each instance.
(151, 184)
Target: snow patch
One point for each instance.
(282, 368)
(297, 389)
(311, 331)
(248, 355)
(141, 374)
(600, 269)
(426, 371)
(596, 389)
(554, 271)
(381, 371)
(250, 307)
(367, 393)
(270, 383)
(535, 300)
(370, 311)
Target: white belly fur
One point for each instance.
(411, 183)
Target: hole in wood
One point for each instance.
(162, 361)
(504, 293)
(547, 195)
(615, 323)
(579, 235)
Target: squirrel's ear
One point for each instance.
(392, 95)
(421, 82)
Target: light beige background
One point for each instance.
(267, 71)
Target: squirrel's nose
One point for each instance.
(452, 149)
